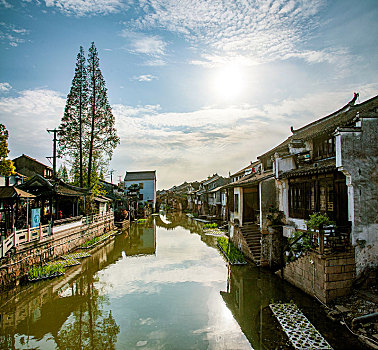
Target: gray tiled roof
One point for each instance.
(327, 124)
(140, 175)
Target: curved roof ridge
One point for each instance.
(341, 110)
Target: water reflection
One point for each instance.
(66, 313)
(160, 285)
(141, 239)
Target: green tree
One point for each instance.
(103, 135)
(63, 173)
(72, 140)
(6, 165)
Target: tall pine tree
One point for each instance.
(103, 136)
(72, 137)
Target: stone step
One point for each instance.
(252, 235)
(251, 232)
(253, 240)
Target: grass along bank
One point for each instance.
(233, 255)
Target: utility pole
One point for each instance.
(55, 131)
(111, 175)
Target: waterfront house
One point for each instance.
(102, 204)
(14, 209)
(115, 193)
(214, 195)
(208, 197)
(191, 194)
(330, 166)
(29, 167)
(327, 166)
(249, 196)
(146, 182)
(55, 199)
(243, 195)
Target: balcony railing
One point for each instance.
(331, 239)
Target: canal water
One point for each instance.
(159, 285)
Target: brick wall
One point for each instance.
(326, 277)
(14, 268)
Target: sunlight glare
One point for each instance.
(229, 82)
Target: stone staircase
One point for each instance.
(252, 235)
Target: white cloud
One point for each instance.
(155, 63)
(11, 34)
(145, 77)
(6, 4)
(27, 117)
(5, 87)
(86, 7)
(145, 44)
(257, 31)
(181, 146)
(189, 146)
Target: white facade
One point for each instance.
(146, 180)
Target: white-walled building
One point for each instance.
(146, 180)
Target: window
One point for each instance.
(236, 203)
(140, 185)
(324, 147)
(267, 163)
(323, 192)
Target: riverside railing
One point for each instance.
(20, 237)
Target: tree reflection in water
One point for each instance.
(90, 327)
(69, 311)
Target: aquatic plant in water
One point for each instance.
(210, 225)
(45, 271)
(96, 240)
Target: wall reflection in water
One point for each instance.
(155, 286)
(71, 312)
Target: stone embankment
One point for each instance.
(322, 276)
(16, 264)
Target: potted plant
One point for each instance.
(275, 219)
(315, 225)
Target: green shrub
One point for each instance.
(275, 216)
(234, 254)
(317, 220)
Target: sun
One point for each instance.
(228, 82)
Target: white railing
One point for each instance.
(24, 236)
(86, 220)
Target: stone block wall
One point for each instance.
(268, 198)
(325, 277)
(14, 267)
(357, 158)
(272, 249)
(239, 241)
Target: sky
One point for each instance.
(196, 87)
